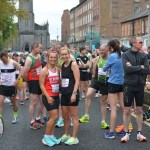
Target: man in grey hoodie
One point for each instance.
(135, 66)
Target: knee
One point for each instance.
(127, 111)
(104, 100)
(33, 102)
(139, 110)
(55, 118)
(1, 102)
(88, 96)
(66, 117)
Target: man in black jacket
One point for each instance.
(135, 66)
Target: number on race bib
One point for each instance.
(65, 82)
(38, 70)
(55, 88)
(101, 72)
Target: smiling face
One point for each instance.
(65, 55)
(52, 58)
(4, 59)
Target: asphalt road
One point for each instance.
(21, 137)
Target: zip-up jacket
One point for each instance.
(134, 74)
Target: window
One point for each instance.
(115, 12)
(146, 24)
(128, 29)
(142, 26)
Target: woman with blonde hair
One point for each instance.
(69, 96)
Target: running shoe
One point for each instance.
(71, 122)
(64, 138)
(72, 141)
(55, 140)
(96, 95)
(120, 133)
(84, 119)
(26, 97)
(108, 106)
(35, 126)
(125, 138)
(109, 135)
(15, 120)
(119, 128)
(130, 128)
(7, 100)
(60, 123)
(45, 120)
(83, 96)
(21, 103)
(47, 141)
(10, 104)
(141, 138)
(40, 122)
(104, 125)
(17, 97)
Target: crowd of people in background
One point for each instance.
(58, 78)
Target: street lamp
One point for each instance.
(10, 32)
(91, 38)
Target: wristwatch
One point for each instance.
(75, 93)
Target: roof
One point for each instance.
(77, 5)
(137, 15)
(40, 27)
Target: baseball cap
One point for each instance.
(15, 54)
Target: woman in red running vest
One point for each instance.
(49, 84)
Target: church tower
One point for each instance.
(29, 31)
(26, 27)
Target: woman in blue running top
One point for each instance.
(70, 77)
(115, 83)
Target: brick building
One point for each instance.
(136, 24)
(65, 26)
(94, 22)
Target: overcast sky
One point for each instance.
(52, 11)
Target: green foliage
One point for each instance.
(9, 11)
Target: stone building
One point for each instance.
(29, 31)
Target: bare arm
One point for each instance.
(76, 73)
(94, 66)
(18, 67)
(42, 77)
(26, 68)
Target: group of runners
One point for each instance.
(63, 77)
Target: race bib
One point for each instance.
(65, 83)
(38, 70)
(101, 72)
(6, 78)
(55, 88)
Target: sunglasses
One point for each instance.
(140, 42)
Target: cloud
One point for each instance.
(52, 11)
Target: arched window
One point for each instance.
(26, 47)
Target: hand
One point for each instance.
(78, 59)
(16, 82)
(128, 64)
(50, 100)
(73, 98)
(142, 66)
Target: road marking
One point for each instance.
(145, 122)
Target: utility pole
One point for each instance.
(91, 38)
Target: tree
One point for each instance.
(9, 11)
